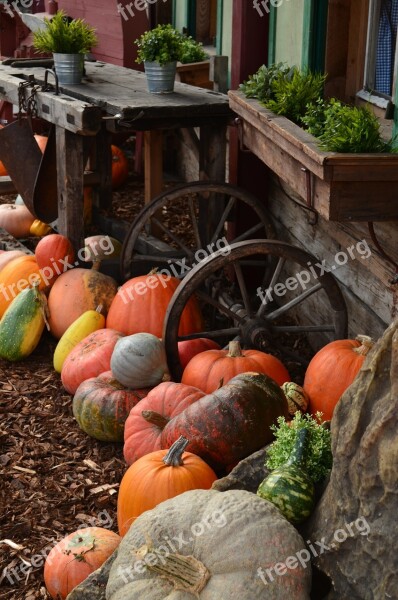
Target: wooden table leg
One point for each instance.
(212, 166)
(70, 186)
(153, 156)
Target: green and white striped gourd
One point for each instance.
(289, 487)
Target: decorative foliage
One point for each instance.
(318, 452)
(65, 36)
(161, 44)
(260, 84)
(191, 51)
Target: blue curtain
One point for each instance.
(386, 41)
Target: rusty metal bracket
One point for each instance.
(238, 123)
(47, 87)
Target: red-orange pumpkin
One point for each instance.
(75, 292)
(55, 255)
(75, 557)
(187, 349)
(120, 167)
(141, 303)
(18, 274)
(16, 219)
(89, 358)
(331, 371)
(157, 477)
(145, 423)
(212, 368)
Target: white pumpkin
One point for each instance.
(139, 360)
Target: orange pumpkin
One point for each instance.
(89, 358)
(120, 167)
(141, 303)
(187, 349)
(75, 557)
(10, 255)
(158, 476)
(16, 276)
(54, 255)
(212, 368)
(76, 291)
(16, 219)
(331, 371)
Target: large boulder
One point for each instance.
(355, 525)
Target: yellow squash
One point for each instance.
(39, 228)
(87, 323)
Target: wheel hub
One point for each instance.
(256, 333)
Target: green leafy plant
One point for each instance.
(260, 84)
(191, 51)
(64, 36)
(294, 91)
(343, 128)
(161, 44)
(318, 452)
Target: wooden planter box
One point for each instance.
(340, 187)
(195, 74)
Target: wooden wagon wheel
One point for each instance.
(151, 242)
(235, 309)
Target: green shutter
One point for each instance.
(272, 35)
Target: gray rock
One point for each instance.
(93, 588)
(356, 517)
(247, 475)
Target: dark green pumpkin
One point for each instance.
(289, 487)
(230, 423)
(101, 406)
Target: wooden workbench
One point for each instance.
(113, 99)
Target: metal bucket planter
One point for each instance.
(160, 77)
(69, 68)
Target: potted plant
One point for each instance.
(194, 64)
(69, 40)
(160, 49)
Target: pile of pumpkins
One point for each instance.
(177, 436)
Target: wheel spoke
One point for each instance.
(195, 227)
(209, 300)
(171, 235)
(249, 233)
(283, 309)
(302, 328)
(210, 334)
(274, 279)
(222, 220)
(242, 287)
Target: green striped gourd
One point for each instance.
(289, 487)
(22, 325)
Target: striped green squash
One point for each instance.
(289, 487)
(22, 325)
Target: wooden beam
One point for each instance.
(101, 163)
(153, 157)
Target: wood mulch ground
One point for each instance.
(54, 478)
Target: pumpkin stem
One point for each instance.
(297, 455)
(185, 573)
(366, 344)
(155, 418)
(234, 349)
(174, 456)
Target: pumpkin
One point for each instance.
(232, 422)
(139, 360)
(101, 247)
(141, 303)
(159, 476)
(54, 255)
(296, 397)
(39, 228)
(212, 368)
(331, 371)
(89, 358)
(146, 421)
(16, 219)
(210, 545)
(289, 486)
(41, 141)
(22, 324)
(120, 167)
(9, 255)
(187, 349)
(101, 406)
(75, 292)
(17, 275)
(87, 323)
(75, 557)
